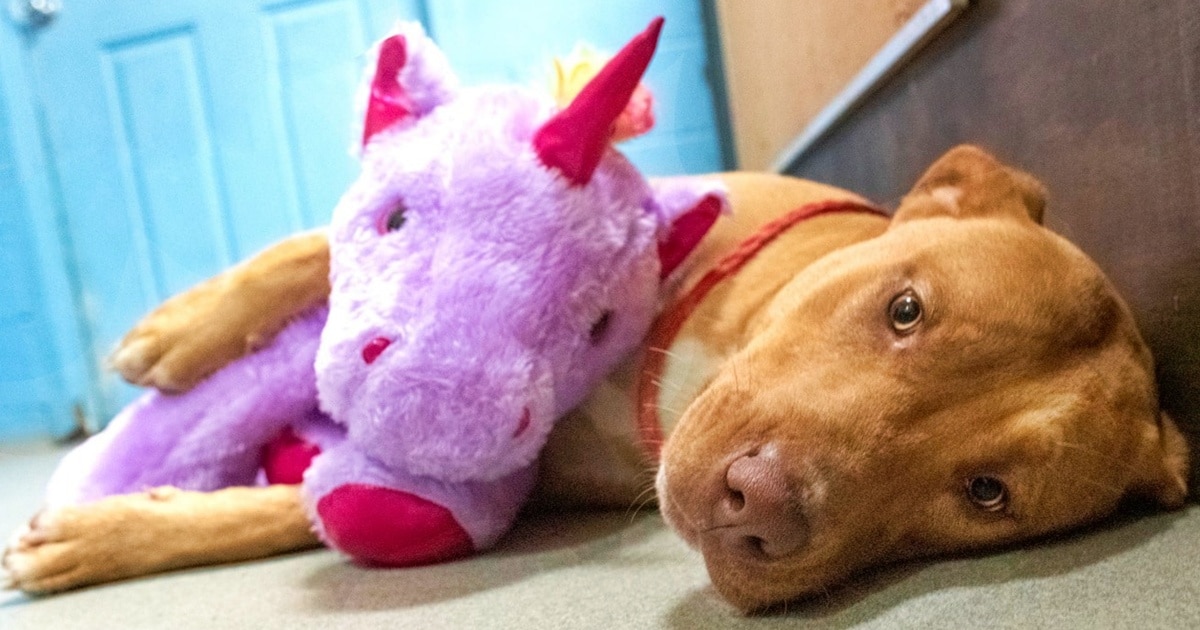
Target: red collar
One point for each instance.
(670, 322)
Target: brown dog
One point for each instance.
(859, 391)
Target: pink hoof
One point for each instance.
(285, 459)
(383, 527)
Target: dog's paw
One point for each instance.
(74, 546)
(183, 341)
(136, 355)
(158, 355)
(39, 558)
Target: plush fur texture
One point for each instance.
(477, 293)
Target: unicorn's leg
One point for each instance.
(381, 517)
(207, 438)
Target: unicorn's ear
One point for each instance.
(688, 208)
(408, 78)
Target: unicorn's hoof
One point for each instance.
(380, 526)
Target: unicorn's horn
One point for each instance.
(574, 140)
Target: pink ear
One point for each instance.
(687, 208)
(388, 101)
(686, 231)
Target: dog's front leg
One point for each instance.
(195, 333)
(162, 529)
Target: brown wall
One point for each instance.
(1101, 100)
(786, 59)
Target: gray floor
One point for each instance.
(624, 571)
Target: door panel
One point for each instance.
(317, 162)
(178, 224)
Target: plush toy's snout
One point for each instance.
(474, 415)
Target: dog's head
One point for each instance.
(964, 380)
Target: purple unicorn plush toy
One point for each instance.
(493, 261)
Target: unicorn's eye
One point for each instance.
(394, 220)
(600, 327)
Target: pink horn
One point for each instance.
(574, 140)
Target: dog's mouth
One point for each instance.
(746, 517)
(686, 499)
(672, 513)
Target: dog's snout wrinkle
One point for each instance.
(758, 515)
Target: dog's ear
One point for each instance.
(1161, 470)
(968, 182)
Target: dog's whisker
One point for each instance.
(671, 410)
(647, 487)
(669, 387)
(641, 498)
(640, 501)
(648, 475)
(636, 511)
(666, 352)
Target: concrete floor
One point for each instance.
(619, 570)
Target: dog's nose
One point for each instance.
(759, 514)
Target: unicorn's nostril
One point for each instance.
(523, 424)
(374, 348)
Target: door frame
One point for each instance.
(60, 294)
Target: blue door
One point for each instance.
(146, 145)
(44, 376)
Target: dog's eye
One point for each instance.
(905, 311)
(600, 328)
(987, 493)
(394, 220)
